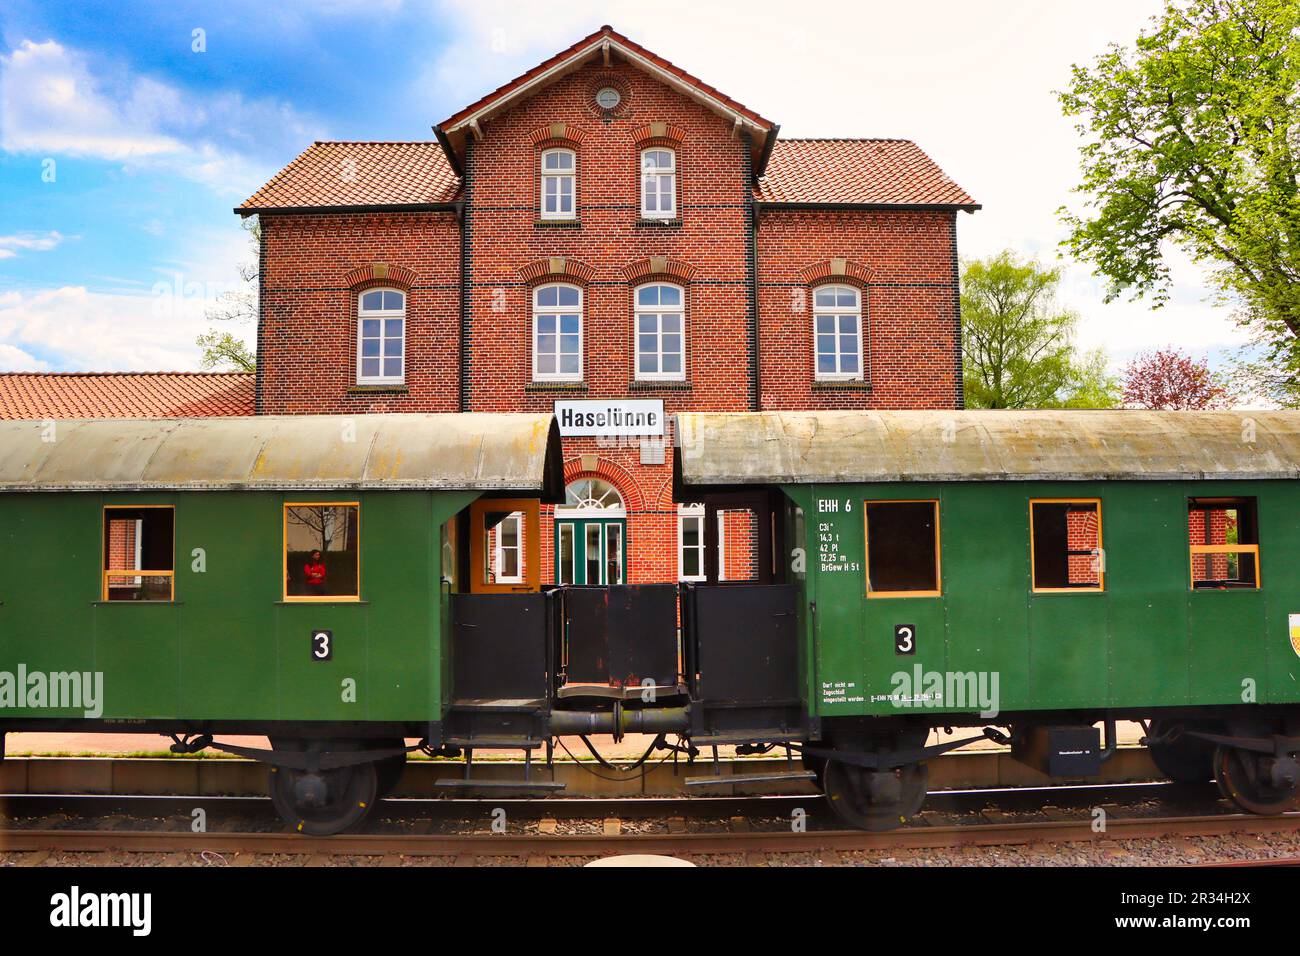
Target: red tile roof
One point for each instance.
(607, 32)
(857, 171)
(845, 171)
(335, 174)
(125, 394)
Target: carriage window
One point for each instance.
(1223, 537)
(139, 560)
(902, 548)
(322, 551)
(1065, 545)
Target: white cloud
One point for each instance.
(144, 323)
(16, 360)
(29, 242)
(55, 101)
(80, 330)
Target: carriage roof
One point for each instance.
(461, 452)
(768, 448)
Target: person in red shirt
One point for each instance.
(313, 574)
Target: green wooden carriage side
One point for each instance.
(1148, 640)
(229, 647)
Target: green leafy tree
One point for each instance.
(1190, 142)
(1018, 343)
(223, 350)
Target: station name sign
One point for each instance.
(617, 416)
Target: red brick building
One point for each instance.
(610, 233)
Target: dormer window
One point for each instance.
(559, 184)
(658, 184)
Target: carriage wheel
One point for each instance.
(874, 800)
(390, 771)
(326, 802)
(1186, 759)
(1244, 778)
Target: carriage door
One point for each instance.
(591, 534)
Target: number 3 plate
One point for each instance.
(322, 645)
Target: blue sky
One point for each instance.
(111, 265)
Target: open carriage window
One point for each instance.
(322, 553)
(1223, 537)
(1065, 545)
(139, 556)
(902, 548)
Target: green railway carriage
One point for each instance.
(346, 585)
(1040, 571)
(150, 577)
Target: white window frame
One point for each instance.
(659, 311)
(689, 513)
(557, 311)
(499, 549)
(670, 172)
(571, 175)
(382, 315)
(836, 312)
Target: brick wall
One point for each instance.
(307, 341)
(902, 265)
(314, 266)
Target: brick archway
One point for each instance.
(857, 273)
(615, 474)
(556, 269)
(379, 273)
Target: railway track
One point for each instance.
(467, 849)
(752, 830)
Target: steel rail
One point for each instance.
(745, 842)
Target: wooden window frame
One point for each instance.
(284, 555)
(866, 549)
(1100, 587)
(1251, 549)
(530, 557)
(106, 573)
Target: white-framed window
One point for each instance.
(559, 184)
(508, 550)
(837, 333)
(381, 337)
(660, 332)
(658, 183)
(557, 333)
(690, 543)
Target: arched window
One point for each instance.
(837, 333)
(557, 333)
(594, 496)
(381, 337)
(658, 183)
(559, 184)
(660, 333)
